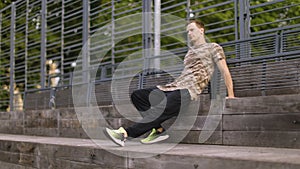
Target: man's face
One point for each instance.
(194, 32)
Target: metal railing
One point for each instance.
(40, 41)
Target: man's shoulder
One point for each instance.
(214, 45)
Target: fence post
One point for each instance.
(244, 19)
(85, 50)
(244, 23)
(157, 23)
(280, 41)
(188, 10)
(113, 35)
(236, 19)
(147, 37)
(85, 41)
(12, 56)
(26, 49)
(188, 17)
(43, 43)
(236, 32)
(62, 42)
(242, 16)
(0, 31)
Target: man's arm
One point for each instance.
(222, 65)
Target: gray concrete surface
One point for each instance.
(69, 153)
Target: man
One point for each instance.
(163, 102)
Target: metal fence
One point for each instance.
(40, 41)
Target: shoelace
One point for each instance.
(123, 138)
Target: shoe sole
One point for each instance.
(111, 138)
(158, 139)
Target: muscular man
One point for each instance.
(198, 69)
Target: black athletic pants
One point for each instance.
(156, 106)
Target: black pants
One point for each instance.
(156, 106)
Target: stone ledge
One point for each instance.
(61, 153)
(263, 105)
(255, 121)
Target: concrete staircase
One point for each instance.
(28, 152)
(251, 132)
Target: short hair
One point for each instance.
(199, 24)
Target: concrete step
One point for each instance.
(28, 152)
(271, 121)
(264, 105)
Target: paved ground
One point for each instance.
(134, 149)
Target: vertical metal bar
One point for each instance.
(103, 72)
(141, 80)
(242, 18)
(236, 19)
(12, 55)
(281, 41)
(113, 35)
(26, 55)
(277, 43)
(62, 37)
(263, 78)
(0, 32)
(188, 16)
(85, 51)
(247, 19)
(43, 43)
(26, 45)
(188, 7)
(85, 40)
(147, 37)
(236, 25)
(157, 23)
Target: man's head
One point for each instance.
(195, 30)
(199, 24)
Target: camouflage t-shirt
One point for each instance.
(198, 69)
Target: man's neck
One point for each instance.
(199, 42)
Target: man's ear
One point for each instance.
(202, 30)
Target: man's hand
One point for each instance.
(194, 96)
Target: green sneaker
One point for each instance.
(117, 136)
(154, 137)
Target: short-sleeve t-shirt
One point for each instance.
(198, 68)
